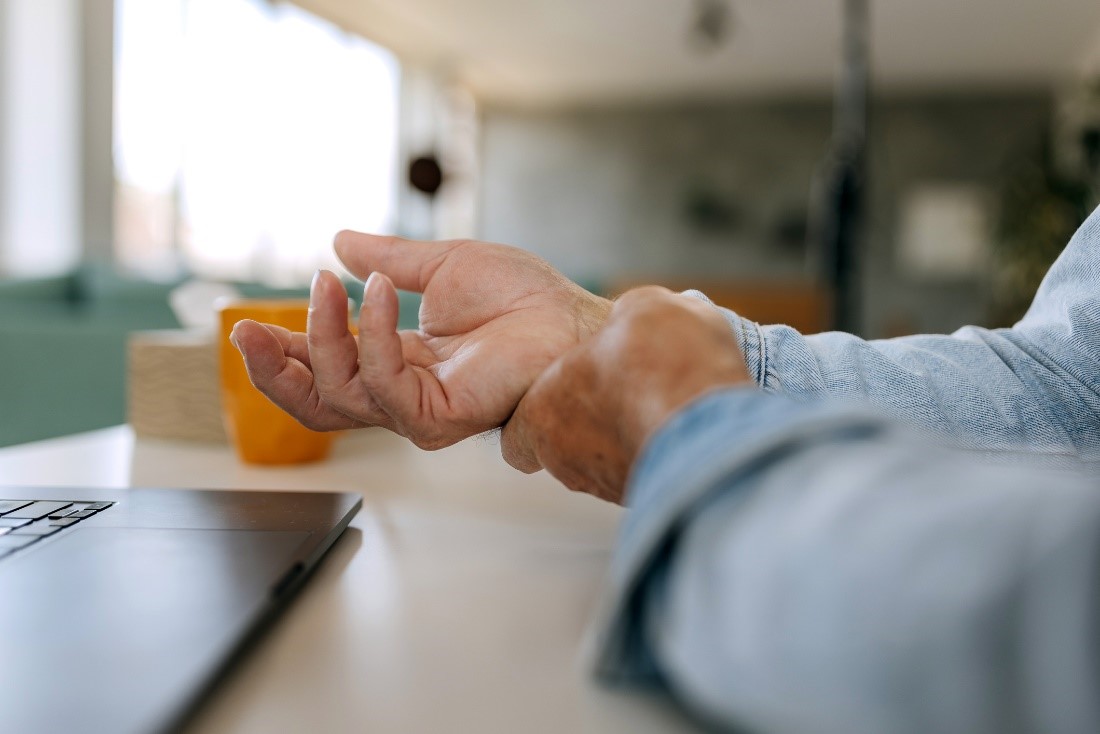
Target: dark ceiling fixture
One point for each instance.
(425, 174)
(711, 25)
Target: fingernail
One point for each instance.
(373, 287)
(313, 288)
(233, 335)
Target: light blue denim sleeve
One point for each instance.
(1034, 387)
(788, 567)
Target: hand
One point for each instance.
(491, 319)
(587, 417)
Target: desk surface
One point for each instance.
(457, 601)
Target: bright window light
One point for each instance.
(39, 130)
(246, 136)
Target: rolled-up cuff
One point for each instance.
(750, 338)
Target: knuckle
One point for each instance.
(326, 391)
(370, 376)
(636, 297)
(393, 242)
(653, 291)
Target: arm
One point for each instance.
(493, 317)
(791, 567)
(1035, 386)
(798, 568)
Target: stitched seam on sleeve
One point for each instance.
(752, 336)
(764, 356)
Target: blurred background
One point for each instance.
(881, 166)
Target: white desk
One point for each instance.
(457, 601)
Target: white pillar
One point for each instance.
(97, 175)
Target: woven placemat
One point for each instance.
(174, 387)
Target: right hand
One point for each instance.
(588, 415)
(491, 319)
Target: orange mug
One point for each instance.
(260, 431)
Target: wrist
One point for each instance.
(590, 313)
(649, 409)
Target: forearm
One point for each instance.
(795, 568)
(1035, 387)
(986, 390)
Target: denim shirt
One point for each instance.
(790, 563)
(1034, 387)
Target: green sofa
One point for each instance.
(63, 347)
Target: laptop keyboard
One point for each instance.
(25, 522)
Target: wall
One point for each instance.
(1090, 64)
(605, 191)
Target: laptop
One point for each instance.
(120, 608)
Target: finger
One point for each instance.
(409, 264)
(334, 353)
(264, 356)
(294, 343)
(536, 415)
(517, 440)
(284, 380)
(643, 298)
(388, 377)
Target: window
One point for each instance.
(246, 135)
(39, 130)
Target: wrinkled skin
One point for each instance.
(492, 318)
(587, 417)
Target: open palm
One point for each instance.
(492, 318)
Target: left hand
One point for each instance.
(587, 417)
(492, 318)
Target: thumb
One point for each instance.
(409, 264)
